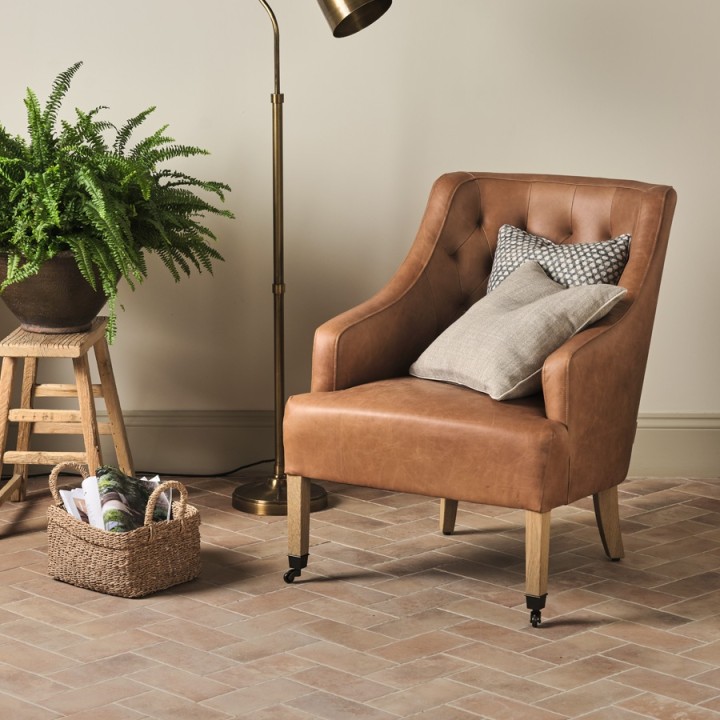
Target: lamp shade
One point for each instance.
(348, 16)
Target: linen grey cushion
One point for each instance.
(500, 344)
(572, 264)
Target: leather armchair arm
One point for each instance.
(382, 337)
(592, 384)
(376, 340)
(589, 387)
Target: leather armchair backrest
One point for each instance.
(466, 210)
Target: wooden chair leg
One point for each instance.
(298, 514)
(537, 556)
(607, 515)
(448, 515)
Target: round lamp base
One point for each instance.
(269, 497)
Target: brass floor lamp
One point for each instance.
(268, 496)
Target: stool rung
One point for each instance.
(69, 428)
(38, 457)
(42, 415)
(62, 390)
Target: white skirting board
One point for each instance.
(666, 445)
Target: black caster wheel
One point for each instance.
(290, 575)
(535, 618)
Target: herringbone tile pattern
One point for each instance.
(391, 619)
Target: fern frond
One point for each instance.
(127, 129)
(144, 146)
(60, 88)
(41, 139)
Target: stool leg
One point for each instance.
(88, 415)
(112, 403)
(6, 381)
(25, 428)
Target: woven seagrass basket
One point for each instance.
(153, 557)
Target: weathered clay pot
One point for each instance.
(56, 300)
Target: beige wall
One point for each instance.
(617, 88)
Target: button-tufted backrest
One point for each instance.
(466, 210)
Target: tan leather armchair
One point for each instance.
(367, 422)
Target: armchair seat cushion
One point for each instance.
(419, 436)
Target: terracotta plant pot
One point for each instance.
(56, 300)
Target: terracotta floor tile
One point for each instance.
(429, 643)
(27, 685)
(331, 707)
(160, 705)
(40, 634)
(340, 658)
(634, 632)
(420, 671)
(181, 683)
(447, 712)
(580, 672)
(434, 693)
(26, 657)
(250, 650)
(658, 683)
(85, 674)
(95, 696)
(494, 707)
(654, 659)
(344, 684)
(581, 700)
(664, 708)
(186, 658)
(506, 684)
(18, 709)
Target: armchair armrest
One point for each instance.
(376, 340)
(382, 337)
(589, 386)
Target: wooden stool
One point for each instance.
(35, 346)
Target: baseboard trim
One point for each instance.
(211, 441)
(677, 445)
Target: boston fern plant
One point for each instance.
(83, 187)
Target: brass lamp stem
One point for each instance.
(278, 287)
(269, 496)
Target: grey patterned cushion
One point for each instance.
(500, 344)
(573, 264)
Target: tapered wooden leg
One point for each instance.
(448, 515)
(607, 515)
(25, 428)
(112, 403)
(537, 556)
(6, 382)
(88, 415)
(298, 514)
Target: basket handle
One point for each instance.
(67, 465)
(152, 500)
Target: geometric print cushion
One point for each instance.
(569, 265)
